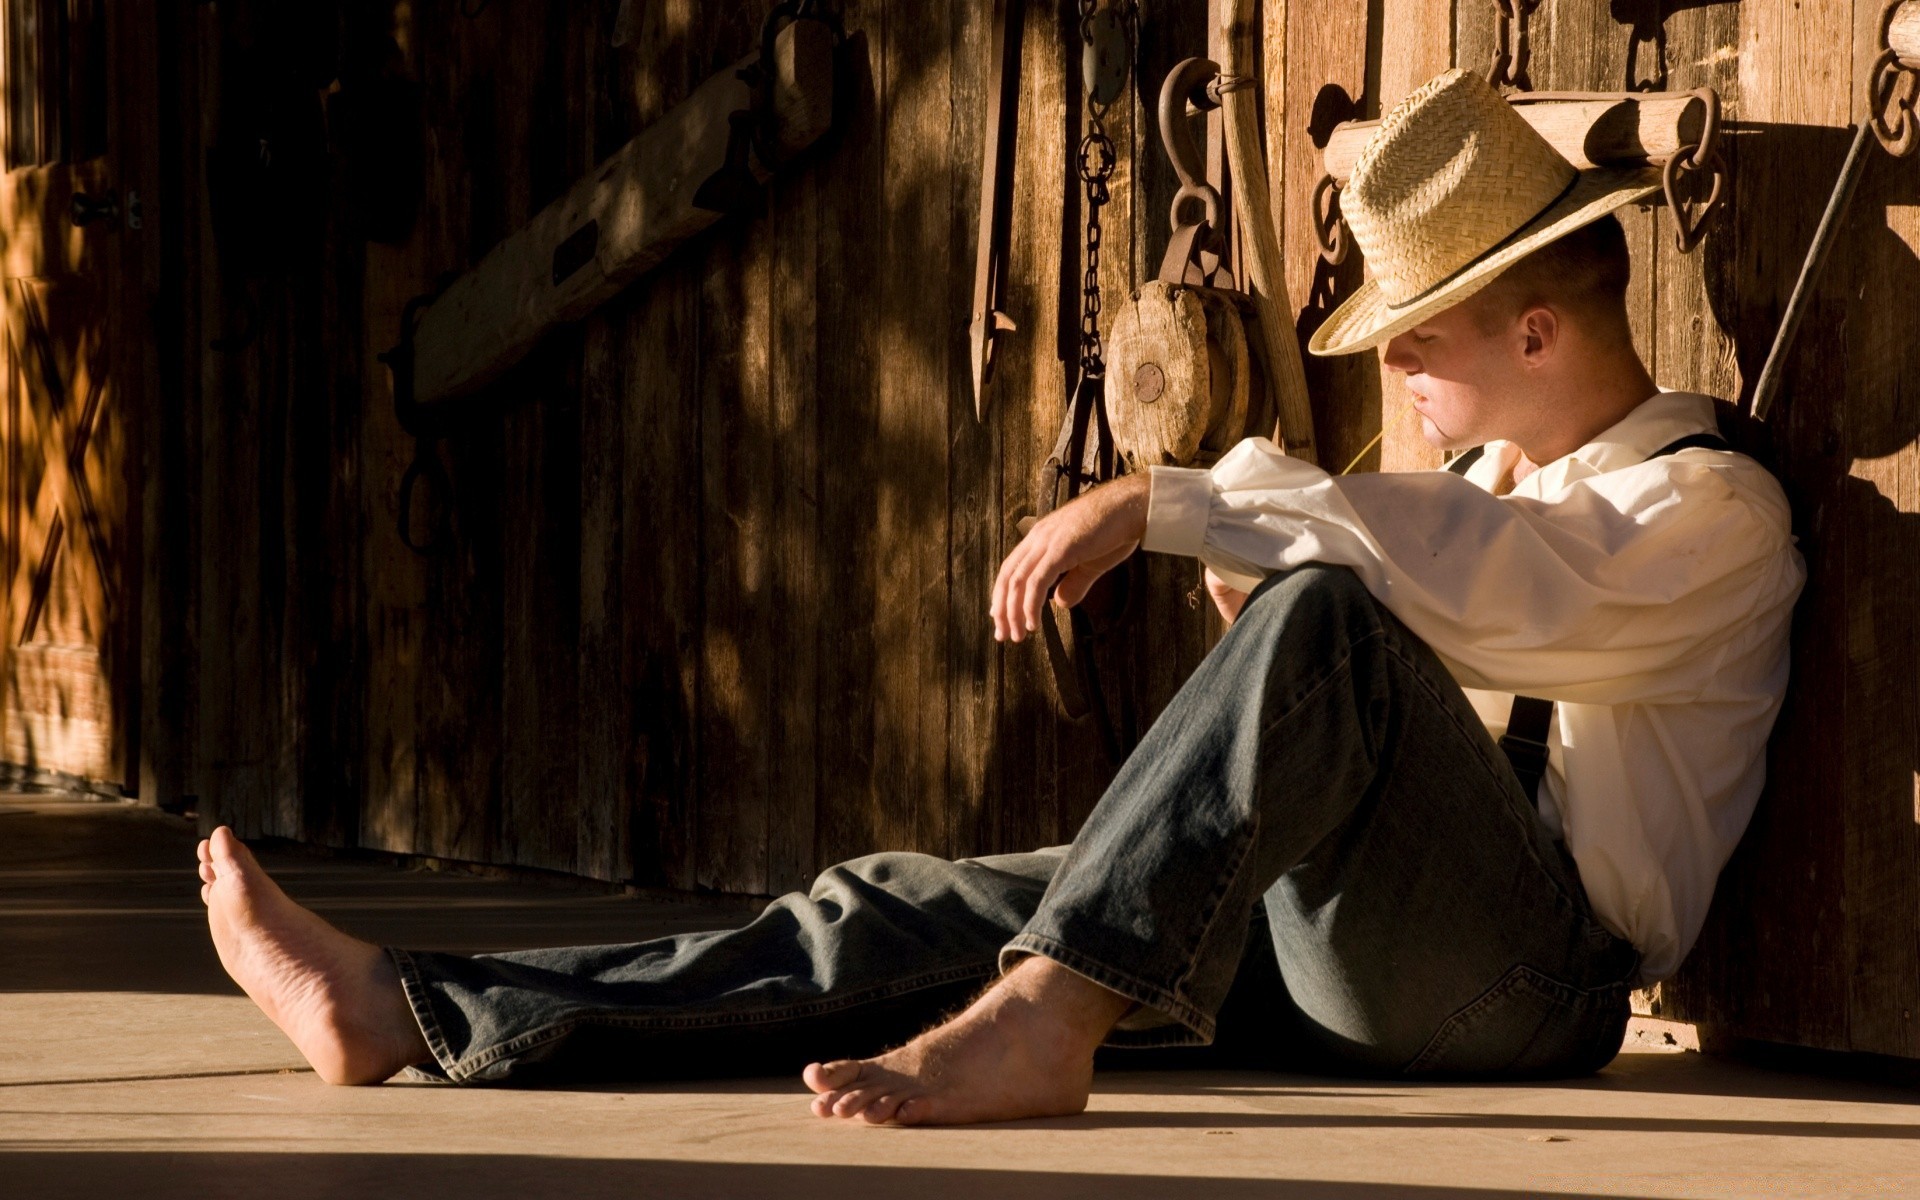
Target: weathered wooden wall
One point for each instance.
(713, 613)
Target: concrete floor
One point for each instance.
(129, 1066)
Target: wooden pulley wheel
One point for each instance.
(1180, 380)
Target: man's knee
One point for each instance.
(1318, 590)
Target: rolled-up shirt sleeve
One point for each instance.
(1593, 594)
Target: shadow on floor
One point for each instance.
(102, 897)
(57, 1169)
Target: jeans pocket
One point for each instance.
(1528, 1025)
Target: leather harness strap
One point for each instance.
(1525, 741)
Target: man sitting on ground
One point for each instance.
(1320, 834)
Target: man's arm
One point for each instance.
(1075, 545)
(1586, 595)
(1067, 550)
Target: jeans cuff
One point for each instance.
(444, 1065)
(1193, 1027)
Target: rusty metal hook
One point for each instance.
(1690, 219)
(1892, 91)
(1188, 80)
(1329, 226)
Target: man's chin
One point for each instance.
(1438, 439)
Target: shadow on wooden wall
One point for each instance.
(713, 611)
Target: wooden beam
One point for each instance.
(1591, 131)
(614, 224)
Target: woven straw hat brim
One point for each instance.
(1366, 319)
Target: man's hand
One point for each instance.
(1226, 597)
(1067, 550)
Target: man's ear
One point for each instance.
(1539, 334)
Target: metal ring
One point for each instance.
(1203, 192)
(1688, 224)
(1704, 150)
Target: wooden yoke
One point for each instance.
(620, 221)
(1589, 129)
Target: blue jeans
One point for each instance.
(1317, 858)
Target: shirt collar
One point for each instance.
(1659, 420)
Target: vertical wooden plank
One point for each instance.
(850, 235)
(737, 675)
(661, 565)
(540, 530)
(1327, 43)
(1029, 407)
(169, 627)
(1417, 43)
(1882, 841)
(602, 829)
(795, 597)
(973, 485)
(909, 697)
(436, 716)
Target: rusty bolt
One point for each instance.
(1148, 382)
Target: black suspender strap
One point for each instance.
(1693, 441)
(1525, 741)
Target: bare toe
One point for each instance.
(830, 1077)
(881, 1111)
(855, 1102)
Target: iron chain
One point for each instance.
(1097, 160)
(1512, 46)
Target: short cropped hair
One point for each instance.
(1585, 271)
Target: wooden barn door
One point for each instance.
(68, 660)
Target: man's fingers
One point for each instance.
(1007, 589)
(1076, 583)
(1040, 577)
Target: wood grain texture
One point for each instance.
(1772, 961)
(1881, 422)
(1327, 51)
(713, 609)
(974, 485)
(852, 221)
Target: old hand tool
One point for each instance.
(996, 198)
(1265, 269)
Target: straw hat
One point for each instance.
(1451, 190)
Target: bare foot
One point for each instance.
(1023, 1049)
(338, 998)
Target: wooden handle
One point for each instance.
(1266, 269)
(1903, 34)
(1600, 130)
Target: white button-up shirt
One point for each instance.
(1649, 598)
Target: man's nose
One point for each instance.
(1400, 356)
